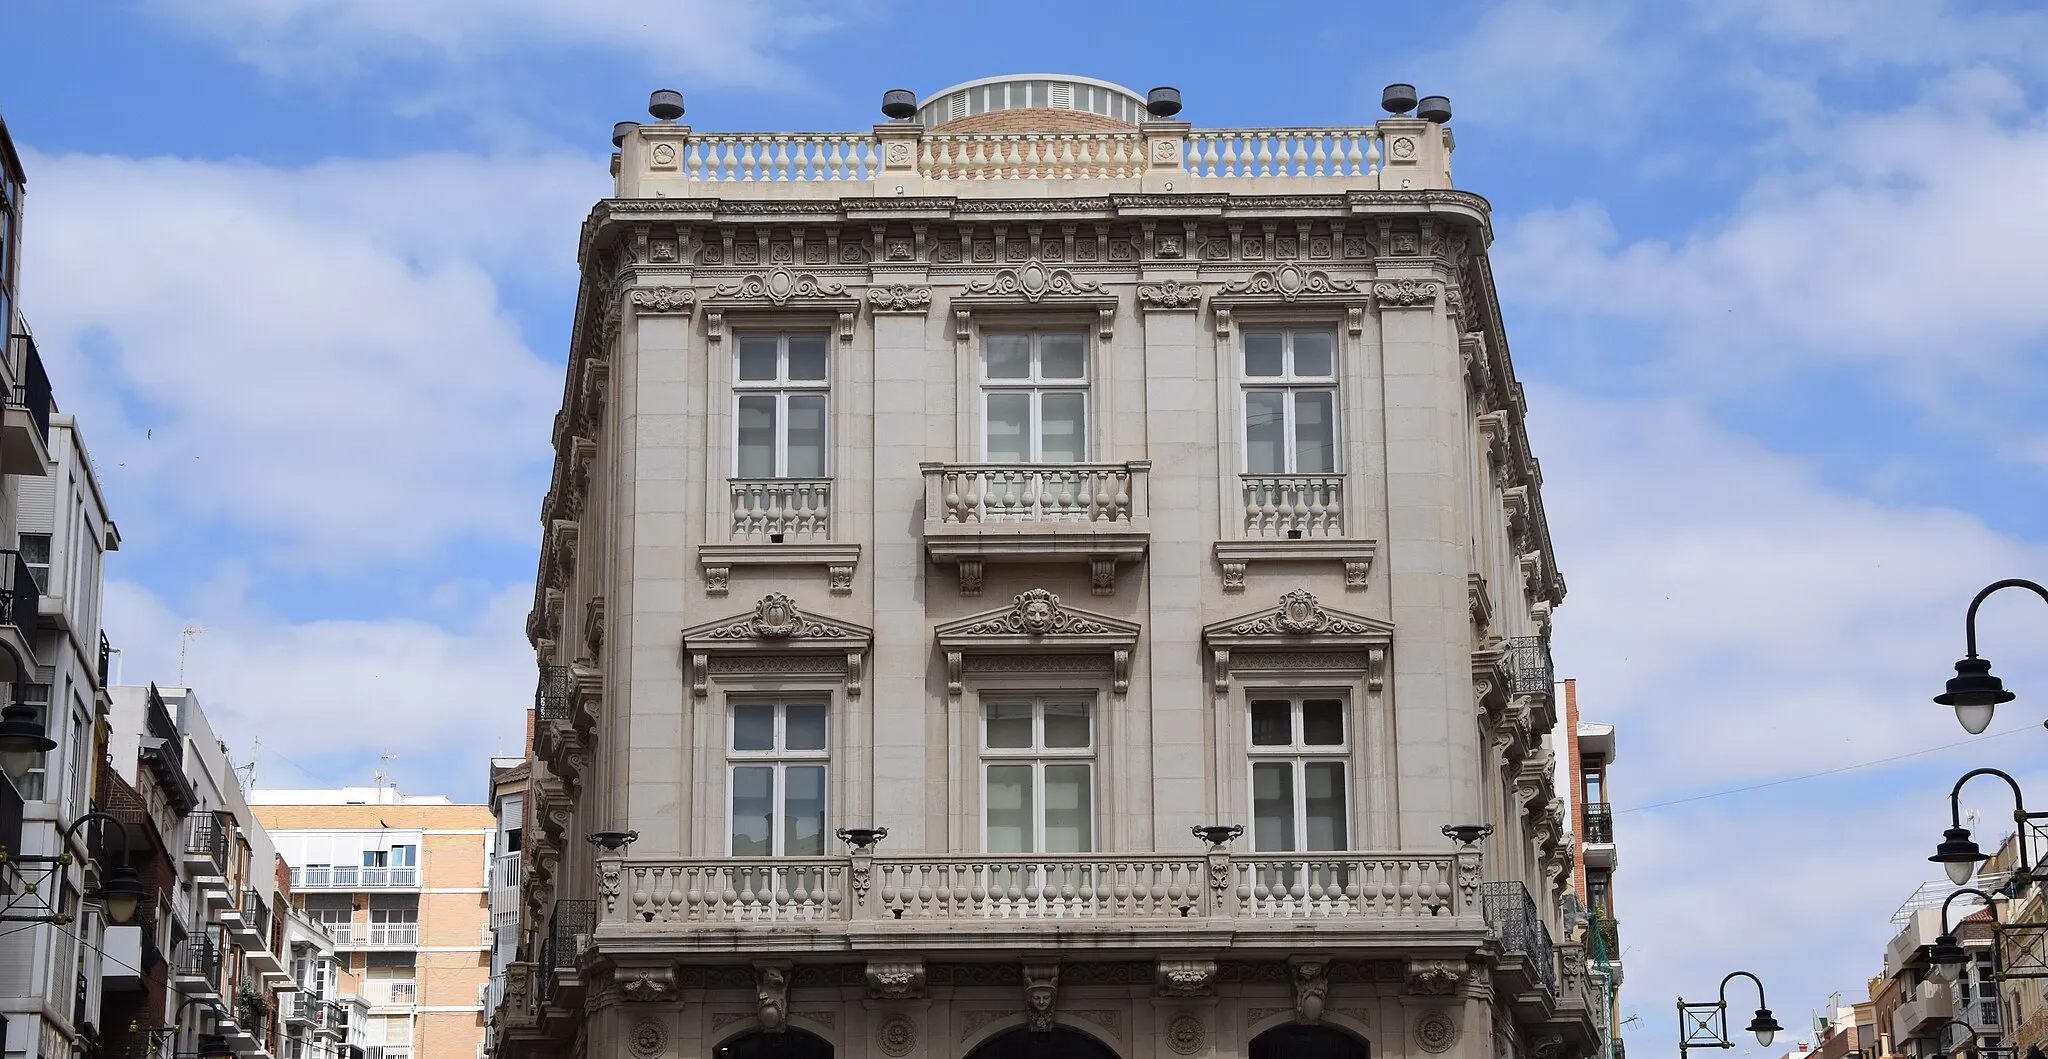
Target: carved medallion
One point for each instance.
(1185, 1034)
(1290, 282)
(1435, 1032)
(1033, 280)
(897, 1035)
(648, 1040)
(780, 286)
(1037, 613)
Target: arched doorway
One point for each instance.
(1308, 1042)
(788, 1043)
(1061, 1043)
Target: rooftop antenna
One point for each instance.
(184, 638)
(382, 775)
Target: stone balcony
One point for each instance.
(779, 522)
(906, 158)
(1098, 513)
(976, 902)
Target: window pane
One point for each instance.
(1009, 725)
(1322, 722)
(1008, 417)
(753, 811)
(1066, 724)
(807, 358)
(755, 436)
(753, 727)
(1315, 432)
(803, 811)
(757, 358)
(1324, 781)
(804, 727)
(1272, 723)
(1069, 812)
(1009, 356)
(1312, 356)
(1272, 806)
(1062, 356)
(1063, 434)
(1262, 354)
(807, 436)
(1009, 808)
(1265, 432)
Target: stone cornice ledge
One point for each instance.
(1356, 554)
(839, 561)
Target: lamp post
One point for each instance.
(1977, 1048)
(122, 891)
(1705, 1024)
(1973, 692)
(1946, 949)
(1960, 855)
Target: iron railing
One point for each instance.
(157, 721)
(253, 911)
(34, 391)
(11, 808)
(1530, 656)
(106, 650)
(210, 836)
(558, 949)
(1512, 916)
(23, 599)
(551, 696)
(200, 960)
(1600, 823)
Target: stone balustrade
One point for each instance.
(792, 510)
(1302, 152)
(727, 892)
(1293, 506)
(1031, 156)
(720, 157)
(1093, 493)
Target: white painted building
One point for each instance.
(1042, 480)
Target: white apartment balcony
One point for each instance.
(350, 877)
(25, 423)
(779, 522)
(1098, 513)
(378, 941)
(978, 902)
(1927, 1006)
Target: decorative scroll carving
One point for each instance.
(895, 980)
(1300, 614)
(1435, 977)
(1037, 613)
(1033, 281)
(648, 985)
(776, 617)
(1290, 282)
(1186, 978)
(780, 286)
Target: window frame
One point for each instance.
(782, 388)
(1289, 384)
(1299, 754)
(1038, 755)
(779, 760)
(1036, 385)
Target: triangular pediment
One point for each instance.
(1038, 619)
(1299, 619)
(777, 623)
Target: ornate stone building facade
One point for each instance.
(1037, 577)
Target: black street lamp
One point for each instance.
(1946, 949)
(123, 890)
(1973, 692)
(1977, 1046)
(1960, 855)
(1705, 1024)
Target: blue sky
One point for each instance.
(1771, 268)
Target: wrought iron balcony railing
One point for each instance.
(1512, 914)
(551, 695)
(1530, 656)
(1600, 823)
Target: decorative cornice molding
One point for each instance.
(1169, 295)
(899, 298)
(1289, 283)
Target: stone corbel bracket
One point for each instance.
(1356, 555)
(838, 560)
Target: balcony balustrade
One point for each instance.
(1512, 914)
(1029, 512)
(353, 877)
(1293, 506)
(781, 510)
(25, 432)
(1111, 889)
(206, 843)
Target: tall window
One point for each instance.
(1290, 402)
(777, 759)
(1299, 792)
(1035, 397)
(779, 413)
(35, 553)
(1038, 790)
(395, 926)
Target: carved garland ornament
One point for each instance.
(900, 298)
(664, 299)
(1038, 613)
(1406, 293)
(1171, 294)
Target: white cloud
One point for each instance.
(729, 42)
(1907, 243)
(1738, 618)
(1532, 60)
(1855, 33)
(326, 698)
(319, 354)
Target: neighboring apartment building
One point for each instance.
(2022, 949)
(54, 533)
(400, 884)
(1040, 479)
(1918, 998)
(508, 913)
(322, 1019)
(1583, 785)
(210, 959)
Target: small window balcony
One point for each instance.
(1097, 513)
(25, 426)
(779, 522)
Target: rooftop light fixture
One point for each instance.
(1163, 102)
(666, 104)
(1973, 692)
(1398, 99)
(899, 104)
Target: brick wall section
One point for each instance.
(1034, 119)
(1578, 793)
